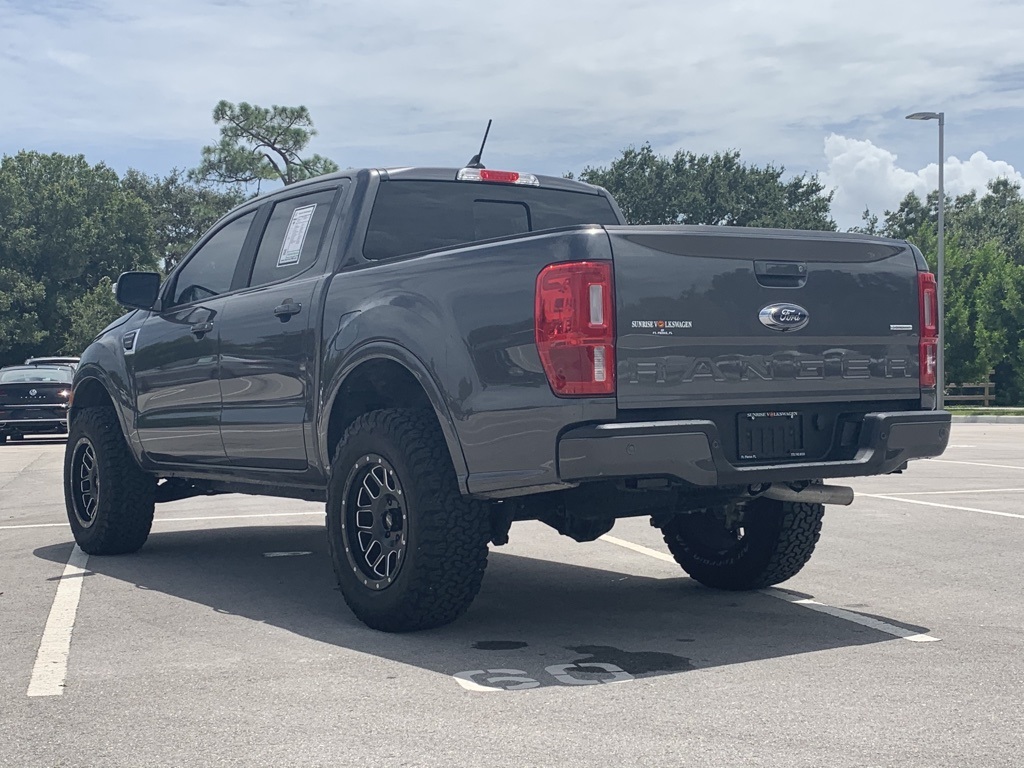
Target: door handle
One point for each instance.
(286, 310)
(201, 329)
(781, 274)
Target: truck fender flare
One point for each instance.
(402, 356)
(90, 377)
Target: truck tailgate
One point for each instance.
(757, 319)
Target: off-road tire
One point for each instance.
(777, 540)
(445, 550)
(124, 496)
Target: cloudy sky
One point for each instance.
(813, 85)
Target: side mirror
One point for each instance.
(137, 289)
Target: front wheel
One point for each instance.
(770, 543)
(408, 549)
(109, 500)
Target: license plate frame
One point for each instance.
(770, 435)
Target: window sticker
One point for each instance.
(294, 238)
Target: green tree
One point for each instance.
(984, 298)
(181, 210)
(871, 225)
(913, 217)
(984, 279)
(88, 314)
(711, 189)
(64, 226)
(260, 143)
(997, 216)
(20, 327)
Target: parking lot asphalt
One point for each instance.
(225, 642)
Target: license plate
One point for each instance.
(770, 435)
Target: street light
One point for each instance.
(940, 367)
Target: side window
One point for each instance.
(210, 270)
(292, 237)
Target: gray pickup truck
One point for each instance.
(438, 353)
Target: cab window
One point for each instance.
(211, 269)
(291, 239)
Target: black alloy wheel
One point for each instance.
(85, 482)
(375, 526)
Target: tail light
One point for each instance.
(574, 317)
(928, 352)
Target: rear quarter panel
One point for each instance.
(467, 315)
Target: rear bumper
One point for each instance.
(32, 425)
(691, 451)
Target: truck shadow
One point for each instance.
(533, 624)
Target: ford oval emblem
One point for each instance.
(784, 317)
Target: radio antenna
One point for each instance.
(475, 162)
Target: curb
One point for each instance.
(988, 419)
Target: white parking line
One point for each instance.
(814, 605)
(319, 512)
(639, 548)
(942, 506)
(51, 667)
(948, 493)
(975, 464)
(178, 519)
(856, 618)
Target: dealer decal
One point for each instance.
(662, 327)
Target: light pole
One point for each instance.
(940, 367)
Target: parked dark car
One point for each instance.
(34, 400)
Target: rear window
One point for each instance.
(413, 216)
(32, 375)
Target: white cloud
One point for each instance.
(866, 176)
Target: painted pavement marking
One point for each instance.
(51, 667)
(158, 520)
(904, 500)
(814, 605)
